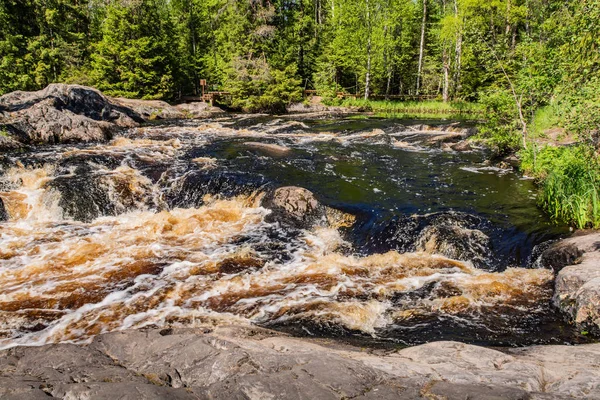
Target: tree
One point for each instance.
(135, 57)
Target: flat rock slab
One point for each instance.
(243, 362)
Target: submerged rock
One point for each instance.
(577, 288)
(269, 148)
(231, 362)
(455, 242)
(461, 146)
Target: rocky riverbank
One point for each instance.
(577, 292)
(77, 114)
(240, 362)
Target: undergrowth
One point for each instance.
(570, 182)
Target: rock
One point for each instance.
(7, 142)
(450, 391)
(3, 212)
(294, 205)
(559, 255)
(63, 114)
(245, 362)
(151, 109)
(462, 146)
(577, 287)
(455, 242)
(198, 110)
(270, 149)
(298, 207)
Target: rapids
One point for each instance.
(164, 226)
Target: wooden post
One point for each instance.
(202, 85)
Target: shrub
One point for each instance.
(501, 130)
(570, 180)
(258, 88)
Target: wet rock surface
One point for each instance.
(294, 205)
(298, 207)
(455, 242)
(269, 148)
(230, 362)
(577, 291)
(3, 213)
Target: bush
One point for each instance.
(502, 128)
(580, 110)
(258, 88)
(570, 180)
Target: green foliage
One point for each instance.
(418, 109)
(257, 88)
(570, 178)
(501, 127)
(580, 109)
(544, 118)
(134, 58)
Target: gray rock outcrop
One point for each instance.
(239, 362)
(63, 114)
(577, 290)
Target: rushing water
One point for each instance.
(164, 226)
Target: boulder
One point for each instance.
(577, 287)
(63, 114)
(198, 110)
(462, 146)
(298, 207)
(559, 255)
(295, 206)
(455, 242)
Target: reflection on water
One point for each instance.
(164, 226)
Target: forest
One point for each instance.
(532, 65)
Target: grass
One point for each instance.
(418, 109)
(570, 182)
(544, 118)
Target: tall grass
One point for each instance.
(418, 109)
(570, 178)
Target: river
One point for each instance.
(164, 226)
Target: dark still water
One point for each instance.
(165, 226)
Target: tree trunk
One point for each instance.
(446, 76)
(508, 28)
(368, 75)
(446, 64)
(421, 47)
(457, 55)
(386, 66)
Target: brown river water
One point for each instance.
(163, 226)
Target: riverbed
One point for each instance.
(166, 226)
